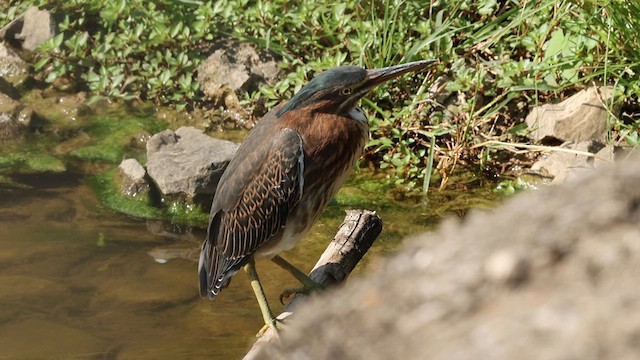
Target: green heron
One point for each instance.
(284, 174)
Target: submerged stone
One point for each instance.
(9, 128)
(109, 192)
(61, 110)
(133, 177)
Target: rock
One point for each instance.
(133, 177)
(10, 63)
(187, 162)
(30, 29)
(61, 110)
(10, 128)
(581, 244)
(581, 117)
(28, 118)
(507, 267)
(8, 105)
(8, 89)
(564, 166)
(15, 118)
(238, 66)
(605, 157)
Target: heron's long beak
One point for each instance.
(376, 77)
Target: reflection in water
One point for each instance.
(78, 281)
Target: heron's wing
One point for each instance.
(252, 202)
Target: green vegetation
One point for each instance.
(498, 60)
(110, 138)
(112, 197)
(107, 186)
(30, 163)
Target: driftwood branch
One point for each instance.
(354, 238)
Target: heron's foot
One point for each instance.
(276, 325)
(304, 289)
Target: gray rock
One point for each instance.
(30, 29)
(238, 66)
(565, 166)
(505, 266)
(7, 104)
(187, 162)
(10, 63)
(581, 117)
(435, 299)
(15, 118)
(133, 177)
(10, 128)
(8, 89)
(605, 157)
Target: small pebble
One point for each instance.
(507, 267)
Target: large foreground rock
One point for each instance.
(187, 162)
(551, 274)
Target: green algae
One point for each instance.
(9, 183)
(142, 205)
(111, 139)
(190, 214)
(106, 152)
(30, 163)
(110, 194)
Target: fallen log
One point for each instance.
(357, 233)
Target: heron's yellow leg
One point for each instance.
(267, 315)
(308, 284)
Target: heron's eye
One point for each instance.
(345, 92)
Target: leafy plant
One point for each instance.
(498, 59)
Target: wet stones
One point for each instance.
(133, 177)
(10, 128)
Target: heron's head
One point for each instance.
(338, 90)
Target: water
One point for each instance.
(78, 281)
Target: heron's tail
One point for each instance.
(211, 275)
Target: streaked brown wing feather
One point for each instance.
(252, 202)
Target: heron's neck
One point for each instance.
(357, 114)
